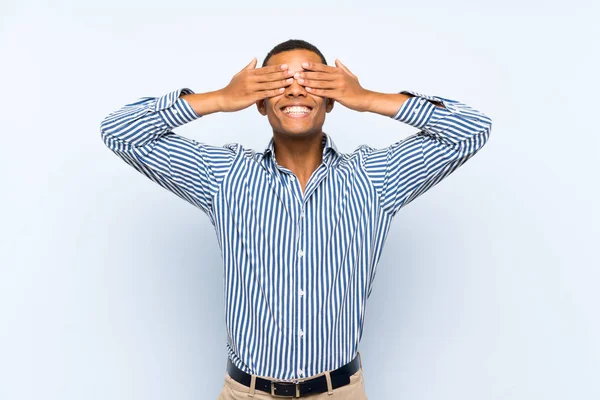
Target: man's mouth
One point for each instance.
(296, 111)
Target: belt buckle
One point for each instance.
(276, 395)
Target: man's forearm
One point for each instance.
(204, 103)
(388, 104)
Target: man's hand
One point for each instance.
(252, 84)
(340, 84)
(336, 83)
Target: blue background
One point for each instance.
(111, 287)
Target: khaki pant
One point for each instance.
(355, 390)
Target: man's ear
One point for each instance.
(262, 107)
(329, 104)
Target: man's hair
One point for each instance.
(293, 44)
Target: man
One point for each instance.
(300, 225)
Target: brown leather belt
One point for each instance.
(339, 377)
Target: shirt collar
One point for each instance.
(326, 142)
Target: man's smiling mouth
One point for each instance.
(296, 111)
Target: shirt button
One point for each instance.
(416, 110)
(301, 292)
(301, 253)
(174, 111)
(292, 177)
(301, 372)
(301, 333)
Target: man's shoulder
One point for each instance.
(350, 160)
(244, 152)
(359, 152)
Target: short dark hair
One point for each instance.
(293, 44)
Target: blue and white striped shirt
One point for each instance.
(298, 266)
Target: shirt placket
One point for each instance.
(302, 272)
(301, 295)
(297, 209)
(298, 204)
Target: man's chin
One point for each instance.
(296, 132)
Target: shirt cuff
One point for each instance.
(175, 111)
(417, 111)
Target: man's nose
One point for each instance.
(295, 89)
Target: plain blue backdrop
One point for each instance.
(111, 287)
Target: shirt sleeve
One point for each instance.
(448, 137)
(141, 134)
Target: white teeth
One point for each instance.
(296, 110)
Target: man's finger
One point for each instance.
(317, 84)
(273, 76)
(315, 66)
(270, 69)
(274, 84)
(252, 64)
(270, 93)
(342, 66)
(329, 93)
(318, 76)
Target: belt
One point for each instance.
(339, 377)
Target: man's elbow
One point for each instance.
(487, 129)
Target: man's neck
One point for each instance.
(302, 155)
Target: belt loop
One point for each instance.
(329, 387)
(252, 385)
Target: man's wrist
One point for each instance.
(386, 104)
(218, 98)
(204, 103)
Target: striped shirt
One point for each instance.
(298, 265)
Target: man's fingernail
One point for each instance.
(283, 66)
(305, 64)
